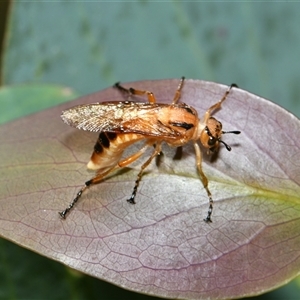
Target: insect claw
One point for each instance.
(207, 219)
(63, 214)
(131, 200)
(121, 88)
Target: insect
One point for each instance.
(120, 124)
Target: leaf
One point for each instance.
(161, 246)
(22, 99)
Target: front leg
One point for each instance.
(204, 181)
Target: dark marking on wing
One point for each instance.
(184, 125)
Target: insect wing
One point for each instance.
(94, 117)
(125, 117)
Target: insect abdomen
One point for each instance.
(109, 148)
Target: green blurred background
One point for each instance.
(87, 46)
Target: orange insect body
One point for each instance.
(162, 122)
(123, 123)
(109, 149)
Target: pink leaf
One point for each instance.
(161, 246)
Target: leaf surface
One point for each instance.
(161, 246)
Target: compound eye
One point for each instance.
(212, 141)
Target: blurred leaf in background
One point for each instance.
(87, 46)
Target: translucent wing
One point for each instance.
(125, 117)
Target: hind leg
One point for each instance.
(99, 177)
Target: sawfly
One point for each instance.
(122, 123)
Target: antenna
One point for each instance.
(227, 146)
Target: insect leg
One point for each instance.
(156, 152)
(99, 177)
(64, 212)
(121, 164)
(204, 181)
(218, 104)
(132, 91)
(130, 159)
(88, 183)
(121, 88)
(178, 91)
